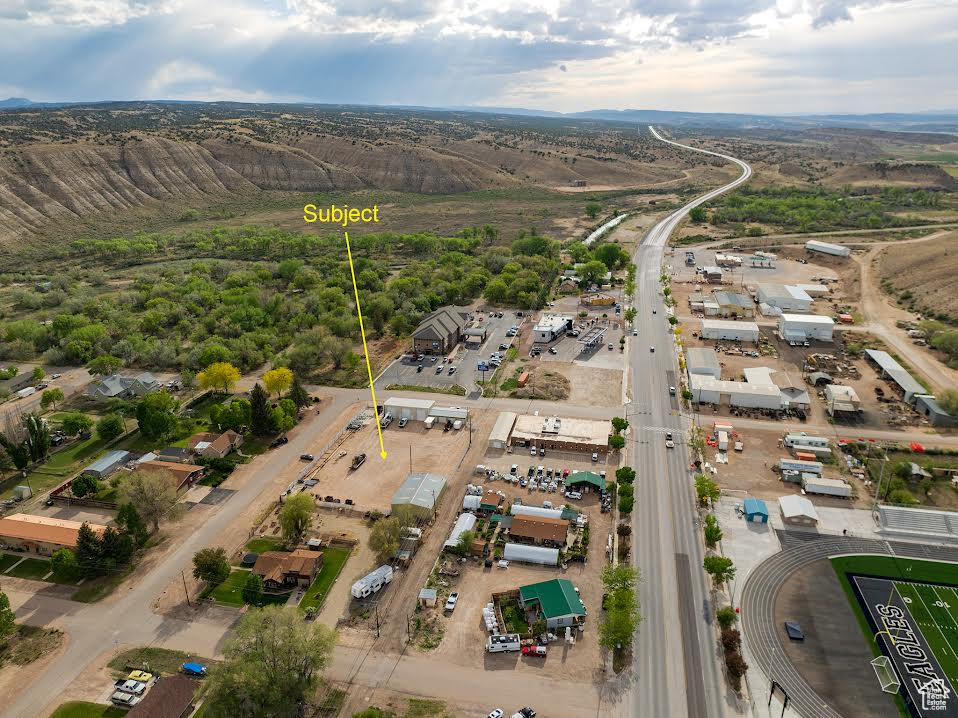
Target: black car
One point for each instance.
(527, 712)
(794, 631)
(306, 457)
(279, 441)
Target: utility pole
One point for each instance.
(377, 620)
(185, 591)
(410, 458)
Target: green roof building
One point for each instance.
(582, 479)
(556, 602)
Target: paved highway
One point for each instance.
(675, 657)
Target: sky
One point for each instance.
(757, 56)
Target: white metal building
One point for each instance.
(814, 290)
(523, 510)
(837, 250)
(449, 412)
(551, 326)
(416, 409)
(703, 361)
(706, 390)
(465, 522)
(531, 554)
(421, 492)
(728, 330)
(802, 327)
(798, 510)
(786, 297)
(499, 438)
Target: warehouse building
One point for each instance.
(412, 409)
(712, 275)
(107, 465)
(805, 327)
(703, 361)
(895, 373)
(733, 304)
(721, 329)
(421, 492)
(562, 434)
(530, 554)
(928, 406)
(706, 390)
(550, 327)
(786, 297)
(814, 290)
(797, 511)
(836, 250)
(842, 401)
(499, 438)
(756, 512)
(791, 390)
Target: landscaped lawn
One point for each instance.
(155, 660)
(514, 619)
(7, 560)
(230, 592)
(333, 560)
(35, 568)
(82, 709)
(262, 545)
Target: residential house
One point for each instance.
(171, 697)
(539, 530)
(124, 387)
(556, 602)
(214, 446)
(439, 332)
(185, 474)
(40, 535)
(176, 454)
(282, 570)
(21, 380)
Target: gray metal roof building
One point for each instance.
(704, 361)
(420, 491)
(889, 368)
(106, 465)
(928, 406)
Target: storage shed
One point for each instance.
(756, 512)
(729, 330)
(836, 250)
(413, 409)
(427, 597)
(421, 492)
(105, 466)
(895, 373)
(523, 510)
(465, 522)
(797, 511)
(928, 406)
(585, 480)
(703, 361)
(499, 438)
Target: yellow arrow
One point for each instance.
(362, 330)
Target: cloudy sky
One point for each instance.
(771, 56)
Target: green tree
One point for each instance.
(153, 493)
(156, 415)
(713, 532)
(38, 373)
(211, 565)
(104, 365)
(129, 519)
(616, 442)
(272, 667)
(235, 415)
(385, 537)
(84, 485)
(466, 540)
(51, 397)
(219, 376)
(592, 272)
(698, 214)
(299, 396)
(110, 427)
(260, 418)
(630, 313)
(296, 517)
(64, 565)
(74, 422)
(611, 255)
(253, 590)
(948, 400)
(18, 451)
(88, 551)
(592, 210)
(706, 489)
(7, 619)
(619, 424)
(621, 618)
(278, 380)
(625, 475)
(726, 616)
(719, 568)
(38, 437)
(626, 503)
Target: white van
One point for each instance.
(503, 643)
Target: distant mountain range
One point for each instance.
(921, 121)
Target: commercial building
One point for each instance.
(842, 400)
(720, 329)
(733, 304)
(413, 409)
(895, 373)
(706, 390)
(40, 535)
(499, 437)
(282, 570)
(712, 274)
(539, 530)
(792, 390)
(585, 481)
(836, 250)
(597, 299)
(703, 361)
(756, 512)
(928, 406)
(107, 465)
(797, 511)
(550, 327)
(420, 492)
(805, 327)
(563, 434)
(439, 331)
(788, 298)
(556, 602)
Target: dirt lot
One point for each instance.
(413, 448)
(464, 637)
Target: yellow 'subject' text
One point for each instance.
(343, 216)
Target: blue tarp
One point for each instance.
(195, 669)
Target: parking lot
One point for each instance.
(465, 360)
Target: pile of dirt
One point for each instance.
(922, 275)
(544, 384)
(904, 174)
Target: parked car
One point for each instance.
(527, 712)
(306, 457)
(595, 455)
(403, 422)
(440, 368)
(672, 391)
(132, 687)
(279, 441)
(497, 713)
(542, 451)
(573, 495)
(126, 700)
(539, 651)
(55, 376)
(553, 350)
(610, 347)
(532, 451)
(565, 473)
(141, 676)
(503, 346)
(452, 370)
(669, 444)
(451, 601)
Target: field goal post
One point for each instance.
(887, 677)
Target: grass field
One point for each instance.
(83, 709)
(929, 591)
(155, 660)
(35, 568)
(334, 559)
(7, 560)
(230, 592)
